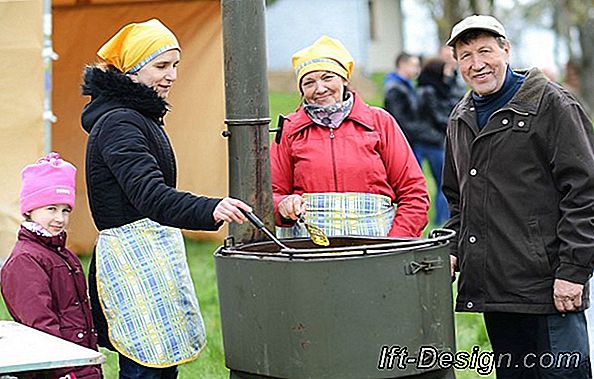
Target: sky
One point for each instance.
(531, 46)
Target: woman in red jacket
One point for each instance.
(345, 166)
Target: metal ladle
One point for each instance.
(316, 234)
(255, 220)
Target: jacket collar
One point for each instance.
(361, 114)
(530, 95)
(526, 100)
(110, 89)
(53, 243)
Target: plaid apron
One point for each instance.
(147, 294)
(345, 214)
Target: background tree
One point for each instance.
(446, 13)
(574, 24)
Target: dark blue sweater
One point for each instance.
(486, 105)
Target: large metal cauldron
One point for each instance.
(330, 312)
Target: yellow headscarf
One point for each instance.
(137, 44)
(326, 54)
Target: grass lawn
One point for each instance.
(211, 364)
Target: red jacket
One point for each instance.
(44, 287)
(367, 153)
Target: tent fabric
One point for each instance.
(21, 106)
(194, 125)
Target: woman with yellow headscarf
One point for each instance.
(340, 164)
(144, 305)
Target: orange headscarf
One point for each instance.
(326, 54)
(137, 44)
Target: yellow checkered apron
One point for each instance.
(345, 214)
(147, 294)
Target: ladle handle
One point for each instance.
(260, 225)
(253, 219)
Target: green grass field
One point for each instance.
(211, 364)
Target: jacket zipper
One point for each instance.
(333, 160)
(73, 271)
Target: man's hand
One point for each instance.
(567, 295)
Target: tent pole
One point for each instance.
(247, 113)
(48, 56)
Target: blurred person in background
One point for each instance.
(400, 98)
(457, 86)
(549, 73)
(435, 102)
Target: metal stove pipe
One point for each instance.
(247, 114)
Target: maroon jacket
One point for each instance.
(44, 287)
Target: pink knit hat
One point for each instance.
(50, 180)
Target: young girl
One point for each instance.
(43, 283)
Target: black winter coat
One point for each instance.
(401, 102)
(130, 166)
(436, 97)
(521, 195)
(433, 116)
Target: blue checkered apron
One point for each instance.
(345, 214)
(147, 294)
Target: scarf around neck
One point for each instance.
(330, 116)
(36, 228)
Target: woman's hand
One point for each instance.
(291, 207)
(229, 210)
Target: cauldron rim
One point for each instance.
(371, 246)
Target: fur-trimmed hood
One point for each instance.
(109, 89)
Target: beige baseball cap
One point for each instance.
(482, 22)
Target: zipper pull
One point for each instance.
(331, 133)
